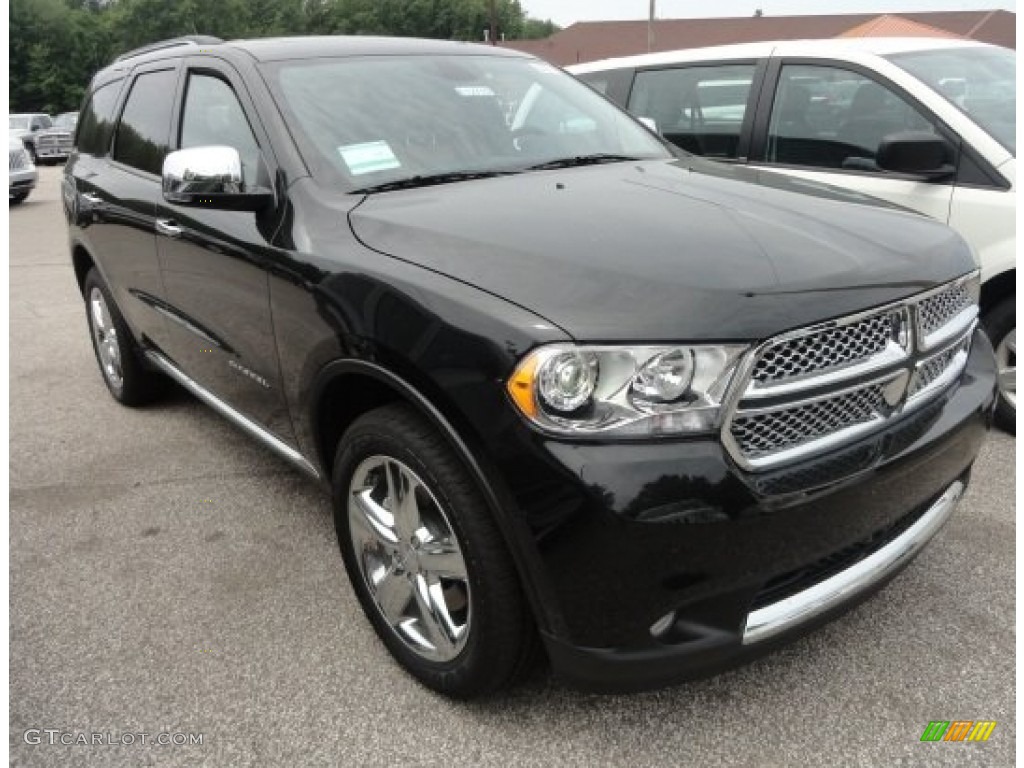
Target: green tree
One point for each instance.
(56, 45)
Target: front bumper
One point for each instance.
(663, 562)
(22, 180)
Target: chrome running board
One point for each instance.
(244, 423)
(786, 614)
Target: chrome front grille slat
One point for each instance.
(828, 348)
(933, 373)
(818, 388)
(62, 139)
(760, 433)
(938, 309)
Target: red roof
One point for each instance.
(896, 26)
(593, 40)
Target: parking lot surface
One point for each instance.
(168, 575)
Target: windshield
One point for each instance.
(981, 82)
(66, 120)
(374, 121)
(18, 122)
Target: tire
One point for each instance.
(18, 198)
(498, 644)
(117, 353)
(1001, 326)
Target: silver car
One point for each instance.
(43, 139)
(23, 174)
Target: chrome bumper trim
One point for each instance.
(246, 424)
(797, 609)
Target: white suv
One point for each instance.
(927, 124)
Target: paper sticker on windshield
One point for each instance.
(473, 90)
(369, 157)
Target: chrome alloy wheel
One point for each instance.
(105, 337)
(1006, 361)
(409, 558)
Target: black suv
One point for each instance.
(572, 390)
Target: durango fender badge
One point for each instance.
(250, 373)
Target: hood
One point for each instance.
(665, 250)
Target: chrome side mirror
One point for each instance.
(210, 177)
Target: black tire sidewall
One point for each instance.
(480, 665)
(999, 321)
(137, 385)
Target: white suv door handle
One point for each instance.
(168, 228)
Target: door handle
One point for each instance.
(168, 228)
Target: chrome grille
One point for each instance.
(55, 140)
(827, 349)
(18, 160)
(763, 433)
(937, 310)
(817, 389)
(933, 367)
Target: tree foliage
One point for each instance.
(56, 45)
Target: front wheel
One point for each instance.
(1001, 326)
(426, 559)
(18, 197)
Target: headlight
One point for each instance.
(623, 390)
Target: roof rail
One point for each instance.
(172, 43)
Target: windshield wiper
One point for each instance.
(428, 180)
(575, 162)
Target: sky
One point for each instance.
(565, 12)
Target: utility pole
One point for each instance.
(494, 23)
(650, 28)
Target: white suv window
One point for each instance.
(700, 109)
(830, 117)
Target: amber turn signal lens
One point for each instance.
(521, 388)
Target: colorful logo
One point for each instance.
(958, 730)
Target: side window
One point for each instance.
(700, 109)
(596, 80)
(141, 138)
(828, 117)
(213, 115)
(97, 120)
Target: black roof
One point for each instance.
(278, 48)
(281, 48)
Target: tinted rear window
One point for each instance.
(97, 119)
(142, 134)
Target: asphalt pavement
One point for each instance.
(169, 575)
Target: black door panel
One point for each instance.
(214, 262)
(221, 333)
(117, 209)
